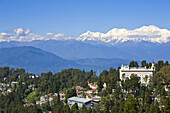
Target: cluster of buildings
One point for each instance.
(49, 97)
(87, 97)
(88, 94)
(5, 88)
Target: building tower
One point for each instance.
(153, 66)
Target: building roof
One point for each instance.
(135, 69)
(79, 100)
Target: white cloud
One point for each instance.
(21, 34)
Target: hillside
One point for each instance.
(70, 49)
(36, 61)
(32, 59)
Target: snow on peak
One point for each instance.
(146, 33)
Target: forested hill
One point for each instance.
(142, 99)
(33, 59)
(36, 61)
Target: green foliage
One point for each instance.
(133, 64)
(141, 100)
(131, 105)
(132, 83)
(100, 84)
(74, 108)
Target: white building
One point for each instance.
(80, 101)
(142, 72)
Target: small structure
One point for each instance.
(80, 102)
(92, 86)
(5, 78)
(62, 96)
(104, 85)
(42, 98)
(13, 83)
(167, 87)
(96, 99)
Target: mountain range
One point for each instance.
(90, 50)
(145, 33)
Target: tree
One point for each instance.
(133, 64)
(166, 63)
(84, 109)
(147, 98)
(132, 83)
(154, 108)
(58, 98)
(166, 109)
(100, 84)
(74, 108)
(143, 63)
(131, 105)
(66, 108)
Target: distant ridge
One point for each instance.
(32, 59)
(149, 33)
(37, 61)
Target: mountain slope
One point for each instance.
(74, 49)
(37, 61)
(147, 50)
(32, 59)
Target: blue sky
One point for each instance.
(74, 17)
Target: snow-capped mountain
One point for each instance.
(146, 33)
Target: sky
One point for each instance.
(74, 17)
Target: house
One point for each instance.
(92, 86)
(5, 78)
(104, 85)
(27, 105)
(167, 87)
(51, 98)
(13, 83)
(96, 98)
(9, 90)
(37, 102)
(88, 96)
(62, 96)
(80, 102)
(4, 93)
(79, 88)
(142, 72)
(42, 98)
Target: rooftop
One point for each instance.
(127, 68)
(79, 100)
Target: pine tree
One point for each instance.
(131, 105)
